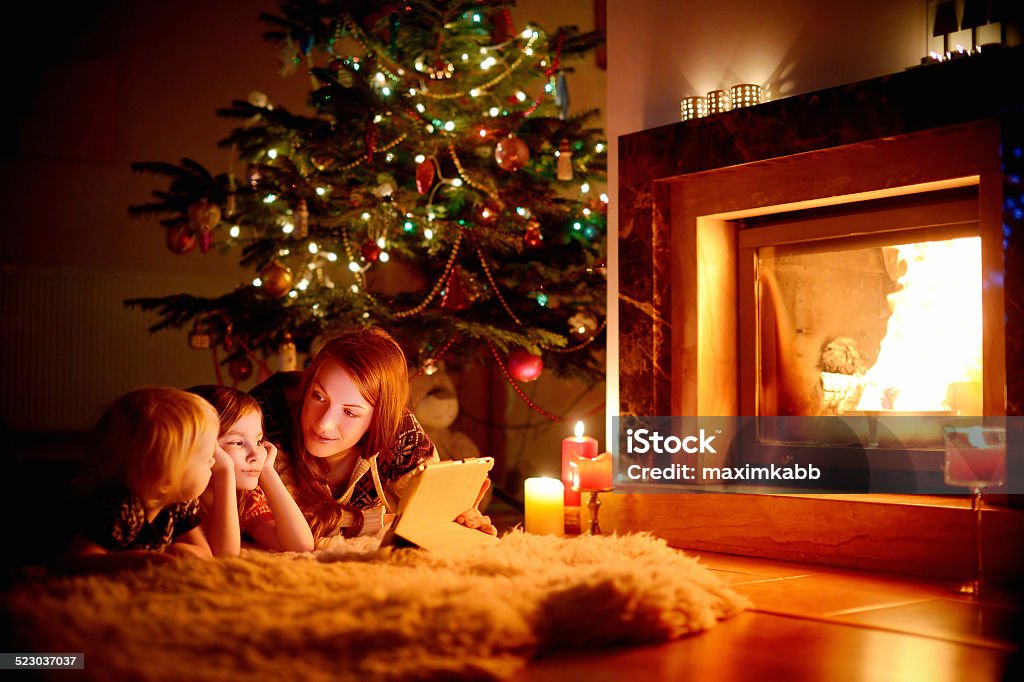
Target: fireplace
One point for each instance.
(757, 244)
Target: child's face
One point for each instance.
(199, 467)
(243, 441)
(334, 415)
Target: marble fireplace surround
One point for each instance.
(681, 189)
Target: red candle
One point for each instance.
(575, 446)
(590, 475)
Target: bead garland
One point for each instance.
(440, 283)
(489, 191)
(515, 387)
(437, 356)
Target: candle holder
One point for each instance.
(592, 476)
(692, 107)
(745, 95)
(975, 459)
(594, 505)
(718, 102)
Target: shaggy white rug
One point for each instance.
(389, 615)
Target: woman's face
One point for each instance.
(334, 415)
(243, 441)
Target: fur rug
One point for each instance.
(343, 614)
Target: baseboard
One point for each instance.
(927, 536)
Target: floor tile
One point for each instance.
(954, 620)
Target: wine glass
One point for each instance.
(975, 459)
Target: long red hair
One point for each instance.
(378, 368)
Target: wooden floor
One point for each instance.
(813, 623)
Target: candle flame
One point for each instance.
(578, 430)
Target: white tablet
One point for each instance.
(436, 495)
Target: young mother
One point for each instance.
(347, 439)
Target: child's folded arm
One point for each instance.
(288, 530)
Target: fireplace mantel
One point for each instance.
(943, 125)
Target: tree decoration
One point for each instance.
(301, 220)
(582, 326)
(455, 297)
(287, 356)
(524, 366)
(454, 154)
(240, 369)
(370, 251)
(511, 153)
(181, 239)
(198, 338)
(564, 172)
(370, 138)
(532, 238)
(203, 216)
(424, 176)
(562, 96)
(276, 279)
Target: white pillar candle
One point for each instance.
(545, 509)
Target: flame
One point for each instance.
(578, 430)
(933, 337)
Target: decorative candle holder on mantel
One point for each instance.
(592, 476)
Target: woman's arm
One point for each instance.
(288, 531)
(221, 519)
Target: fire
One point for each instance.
(933, 338)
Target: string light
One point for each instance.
(257, 282)
(312, 247)
(331, 256)
(287, 228)
(604, 198)
(272, 153)
(270, 198)
(235, 231)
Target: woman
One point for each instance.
(348, 439)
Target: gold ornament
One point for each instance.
(203, 216)
(276, 278)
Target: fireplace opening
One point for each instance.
(871, 312)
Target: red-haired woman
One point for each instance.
(347, 438)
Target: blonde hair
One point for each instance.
(146, 437)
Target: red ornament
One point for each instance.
(512, 153)
(205, 240)
(181, 239)
(454, 297)
(424, 176)
(501, 26)
(370, 251)
(532, 238)
(240, 369)
(524, 366)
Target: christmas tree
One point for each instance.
(438, 186)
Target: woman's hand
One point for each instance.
(472, 518)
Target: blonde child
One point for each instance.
(153, 454)
(246, 495)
